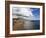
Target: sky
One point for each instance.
(31, 13)
(36, 13)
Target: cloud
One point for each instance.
(25, 13)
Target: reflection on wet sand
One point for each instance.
(21, 24)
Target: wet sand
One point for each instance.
(21, 24)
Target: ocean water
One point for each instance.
(36, 24)
(32, 25)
